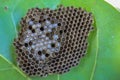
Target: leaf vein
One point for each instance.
(95, 62)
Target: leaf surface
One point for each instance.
(102, 59)
(9, 72)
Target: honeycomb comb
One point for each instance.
(52, 41)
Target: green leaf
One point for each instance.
(102, 59)
(7, 69)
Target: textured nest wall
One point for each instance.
(52, 41)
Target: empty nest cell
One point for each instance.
(52, 41)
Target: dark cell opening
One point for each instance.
(44, 20)
(30, 55)
(62, 59)
(33, 73)
(61, 32)
(42, 28)
(59, 24)
(81, 16)
(53, 45)
(53, 61)
(39, 52)
(24, 65)
(28, 68)
(50, 15)
(26, 44)
(55, 67)
(37, 63)
(20, 50)
(23, 54)
(35, 70)
(33, 19)
(64, 31)
(47, 34)
(57, 60)
(30, 27)
(30, 43)
(39, 21)
(48, 18)
(39, 69)
(33, 31)
(47, 55)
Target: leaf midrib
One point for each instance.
(96, 56)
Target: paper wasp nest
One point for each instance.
(52, 41)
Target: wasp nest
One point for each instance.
(52, 41)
